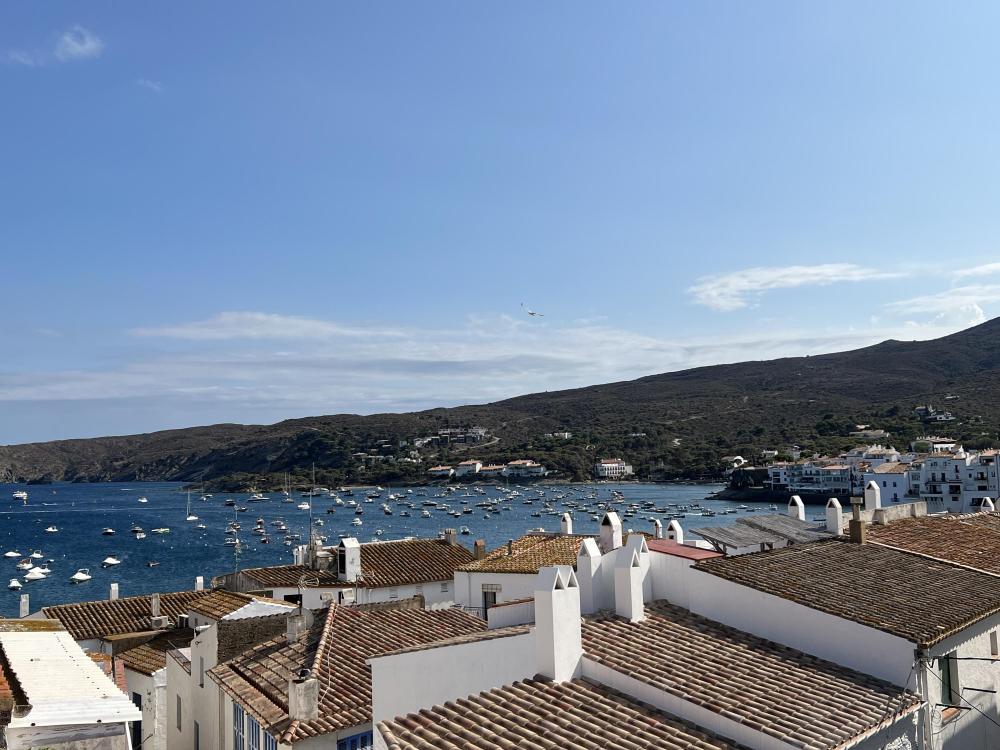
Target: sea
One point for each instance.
(81, 512)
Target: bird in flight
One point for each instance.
(531, 312)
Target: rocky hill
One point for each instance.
(674, 424)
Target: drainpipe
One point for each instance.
(923, 663)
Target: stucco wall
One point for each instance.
(408, 682)
(469, 587)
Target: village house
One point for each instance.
(311, 686)
(468, 467)
(360, 573)
(525, 468)
(440, 472)
(612, 468)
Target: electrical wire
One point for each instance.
(962, 698)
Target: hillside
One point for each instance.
(673, 424)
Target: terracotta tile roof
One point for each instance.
(335, 650)
(793, 697)
(530, 553)
(218, 603)
(397, 563)
(89, 620)
(892, 467)
(896, 592)
(151, 656)
(964, 540)
(539, 713)
(458, 640)
(670, 547)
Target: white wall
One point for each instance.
(178, 684)
(671, 578)
(408, 682)
(827, 636)
(205, 698)
(511, 614)
(153, 690)
(468, 587)
(320, 597)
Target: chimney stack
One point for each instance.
(154, 605)
(451, 537)
(25, 606)
(858, 531)
(113, 593)
(510, 548)
(566, 524)
(657, 529)
(199, 583)
(834, 516)
(611, 532)
(350, 556)
(479, 549)
(796, 508)
(303, 698)
(628, 586)
(987, 505)
(873, 496)
(558, 642)
(588, 564)
(675, 532)
(298, 623)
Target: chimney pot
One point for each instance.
(154, 605)
(303, 699)
(796, 508)
(873, 496)
(834, 516)
(566, 524)
(25, 606)
(479, 549)
(199, 583)
(451, 536)
(510, 547)
(113, 592)
(857, 529)
(611, 532)
(657, 528)
(628, 586)
(558, 641)
(675, 532)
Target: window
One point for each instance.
(238, 735)
(393, 593)
(994, 647)
(361, 741)
(951, 692)
(253, 734)
(201, 671)
(197, 736)
(489, 599)
(270, 743)
(136, 728)
(177, 707)
(444, 587)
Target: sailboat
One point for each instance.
(190, 516)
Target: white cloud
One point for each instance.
(229, 326)
(20, 57)
(987, 269)
(146, 83)
(740, 289)
(960, 306)
(78, 43)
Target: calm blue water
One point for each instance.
(81, 511)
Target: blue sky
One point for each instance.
(246, 212)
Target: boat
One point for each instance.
(201, 526)
(303, 506)
(161, 530)
(144, 499)
(14, 584)
(34, 575)
(21, 495)
(51, 530)
(12, 553)
(25, 564)
(465, 530)
(152, 564)
(110, 561)
(136, 529)
(356, 522)
(43, 569)
(80, 576)
(141, 535)
(190, 516)
(108, 532)
(36, 554)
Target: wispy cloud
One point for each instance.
(230, 326)
(959, 306)
(78, 43)
(146, 83)
(987, 269)
(20, 57)
(739, 289)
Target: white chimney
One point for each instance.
(675, 532)
(558, 643)
(873, 496)
(611, 532)
(796, 508)
(25, 606)
(154, 605)
(628, 586)
(987, 505)
(566, 524)
(451, 537)
(657, 528)
(303, 698)
(588, 564)
(113, 593)
(298, 623)
(199, 583)
(637, 542)
(350, 560)
(834, 516)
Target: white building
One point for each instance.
(525, 468)
(893, 480)
(352, 572)
(440, 472)
(468, 467)
(612, 468)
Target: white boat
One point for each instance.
(80, 576)
(303, 506)
(14, 584)
(43, 569)
(37, 554)
(34, 575)
(140, 535)
(201, 526)
(110, 560)
(356, 521)
(12, 553)
(25, 564)
(51, 529)
(108, 532)
(144, 499)
(161, 530)
(190, 516)
(21, 495)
